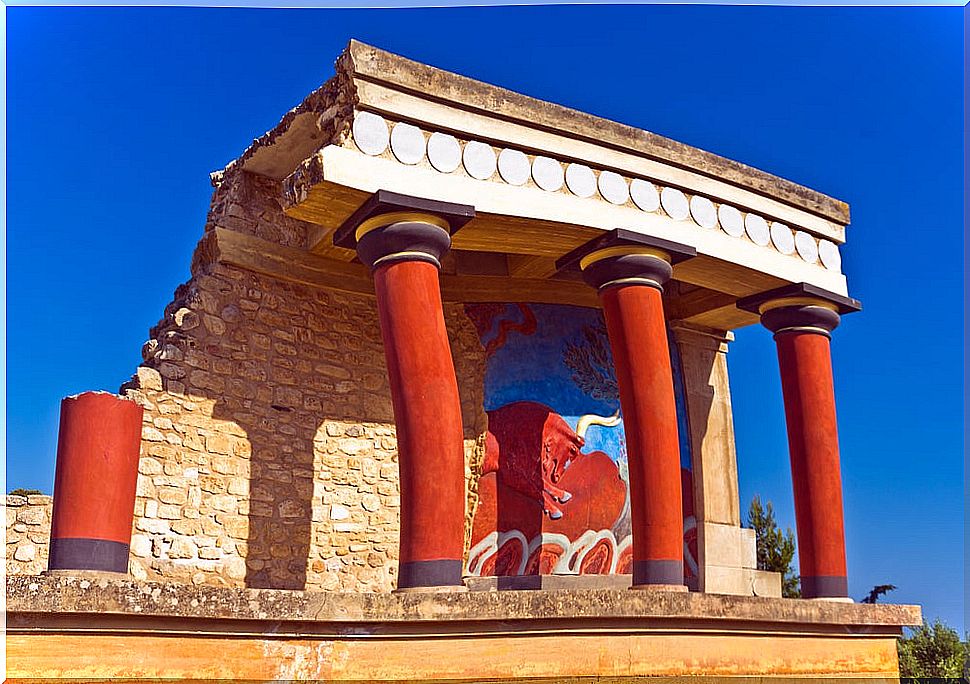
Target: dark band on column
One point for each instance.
(429, 573)
(799, 307)
(824, 586)
(88, 554)
(625, 257)
(657, 572)
(801, 318)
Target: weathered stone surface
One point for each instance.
(60, 594)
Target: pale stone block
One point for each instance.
(749, 548)
(25, 553)
(763, 582)
(726, 580)
(141, 545)
(721, 545)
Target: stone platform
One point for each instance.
(75, 628)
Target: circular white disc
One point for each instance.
(513, 165)
(479, 160)
(370, 133)
(613, 187)
(731, 221)
(782, 238)
(757, 229)
(674, 203)
(407, 143)
(547, 173)
(806, 246)
(580, 180)
(444, 152)
(644, 194)
(703, 211)
(828, 252)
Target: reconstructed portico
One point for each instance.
(443, 339)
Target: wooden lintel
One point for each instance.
(299, 266)
(524, 266)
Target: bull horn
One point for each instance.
(592, 419)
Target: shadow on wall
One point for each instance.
(301, 372)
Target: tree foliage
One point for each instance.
(589, 360)
(776, 549)
(932, 651)
(20, 491)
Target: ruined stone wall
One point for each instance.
(28, 533)
(268, 450)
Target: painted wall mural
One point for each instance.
(553, 489)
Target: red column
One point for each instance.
(802, 317)
(427, 413)
(629, 271)
(638, 339)
(806, 379)
(402, 240)
(94, 483)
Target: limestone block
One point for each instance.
(726, 580)
(763, 582)
(749, 548)
(721, 545)
(25, 553)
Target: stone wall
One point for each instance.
(268, 450)
(28, 533)
(268, 455)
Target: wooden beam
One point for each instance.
(524, 266)
(299, 266)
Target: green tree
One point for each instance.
(776, 549)
(932, 651)
(20, 491)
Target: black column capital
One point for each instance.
(623, 257)
(391, 227)
(800, 307)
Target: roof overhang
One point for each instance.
(752, 231)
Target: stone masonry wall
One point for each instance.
(268, 454)
(268, 451)
(28, 533)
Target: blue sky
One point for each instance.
(115, 117)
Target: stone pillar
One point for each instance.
(727, 553)
(94, 483)
(802, 318)
(402, 240)
(629, 271)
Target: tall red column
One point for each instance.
(403, 248)
(629, 273)
(94, 483)
(802, 319)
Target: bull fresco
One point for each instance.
(553, 492)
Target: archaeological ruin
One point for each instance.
(446, 398)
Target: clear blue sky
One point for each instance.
(116, 117)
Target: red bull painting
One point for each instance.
(553, 492)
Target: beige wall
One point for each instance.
(28, 533)
(268, 449)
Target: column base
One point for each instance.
(446, 589)
(436, 575)
(86, 574)
(102, 555)
(824, 587)
(679, 588)
(834, 599)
